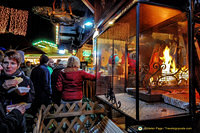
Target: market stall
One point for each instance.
(143, 51)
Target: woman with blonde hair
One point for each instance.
(70, 81)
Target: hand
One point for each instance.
(21, 108)
(9, 83)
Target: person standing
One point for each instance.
(12, 121)
(113, 61)
(50, 65)
(56, 95)
(70, 81)
(57, 62)
(11, 71)
(41, 79)
(27, 69)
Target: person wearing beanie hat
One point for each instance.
(41, 79)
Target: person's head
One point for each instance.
(63, 63)
(73, 62)
(57, 62)
(111, 50)
(123, 50)
(43, 59)
(28, 63)
(22, 55)
(1, 59)
(132, 55)
(51, 62)
(11, 61)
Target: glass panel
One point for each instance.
(196, 53)
(103, 53)
(163, 63)
(116, 59)
(131, 66)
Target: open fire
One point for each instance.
(169, 73)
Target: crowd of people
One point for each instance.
(43, 84)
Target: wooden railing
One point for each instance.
(87, 117)
(89, 89)
(78, 117)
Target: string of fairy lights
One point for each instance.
(4, 15)
(44, 44)
(57, 32)
(14, 20)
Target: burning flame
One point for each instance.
(168, 61)
(170, 68)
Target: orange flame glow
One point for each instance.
(170, 68)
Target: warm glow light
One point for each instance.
(4, 15)
(111, 22)
(167, 60)
(74, 52)
(17, 20)
(57, 34)
(170, 68)
(96, 33)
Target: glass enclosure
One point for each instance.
(163, 62)
(113, 47)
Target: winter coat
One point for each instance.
(56, 95)
(71, 83)
(13, 97)
(41, 79)
(12, 122)
(27, 70)
(50, 69)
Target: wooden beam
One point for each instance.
(75, 113)
(89, 5)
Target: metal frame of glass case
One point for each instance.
(168, 20)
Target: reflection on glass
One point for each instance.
(163, 62)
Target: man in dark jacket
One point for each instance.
(41, 79)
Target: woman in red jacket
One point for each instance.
(70, 81)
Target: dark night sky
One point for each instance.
(40, 29)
